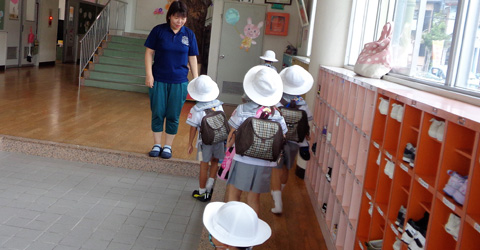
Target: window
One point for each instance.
(435, 42)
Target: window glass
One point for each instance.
(422, 38)
(472, 46)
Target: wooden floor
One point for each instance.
(47, 104)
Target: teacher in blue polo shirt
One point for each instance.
(173, 47)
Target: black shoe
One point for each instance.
(155, 153)
(401, 218)
(324, 207)
(329, 174)
(201, 197)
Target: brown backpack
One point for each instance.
(296, 120)
(259, 138)
(214, 127)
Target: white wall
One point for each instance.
(47, 35)
(3, 48)
(275, 43)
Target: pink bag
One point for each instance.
(224, 169)
(374, 60)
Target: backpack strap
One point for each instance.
(286, 104)
(209, 110)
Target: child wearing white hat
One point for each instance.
(263, 87)
(234, 225)
(296, 81)
(205, 91)
(269, 58)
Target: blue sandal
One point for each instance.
(166, 153)
(155, 153)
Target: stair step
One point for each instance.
(120, 69)
(122, 61)
(124, 54)
(126, 47)
(116, 85)
(117, 77)
(128, 40)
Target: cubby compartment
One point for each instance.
(368, 111)
(364, 221)
(352, 101)
(347, 138)
(340, 136)
(353, 152)
(341, 230)
(391, 234)
(400, 192)
(379, 121)
(353, 213)
(349, 237)
(362, 156)
(392, 133)
(457, 154)
(340, 88)
(346, 97)
(335, 220)
(470, 238)
(473, 207)
(347, 192)
(336, 171)
(341, 182)
(359, 107)
(331, 88)
(409, 135)
(378, 225)
(330, 207)
(336, 130)
(382, 195)
(371, 173)
(419, 203)
(428, 153)
(437, 229)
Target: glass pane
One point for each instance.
(357, 31)
(473, 79)
(422, 38)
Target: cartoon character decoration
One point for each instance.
(250, 31)
(158, 11)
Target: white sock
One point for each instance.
(201, 190)
(277, 200)
(210, 183)
(283, 186)
(168, 147)
(155, 148)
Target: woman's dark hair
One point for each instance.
(177, 7)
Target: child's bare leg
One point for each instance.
(202, 179)
(233, 193)
(253, 200)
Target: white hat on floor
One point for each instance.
(296, 80)
(263, 85)
(269, 55)
(235, 223)
(203, 89)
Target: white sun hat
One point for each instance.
(263, 85)
(203, 89)
(235, 223)
(269, 55)
(296, 80)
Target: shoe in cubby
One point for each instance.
(453, 225)
(389, 168)
(324, 207)
(440, 131)
(370, 209)
(383, 106)
(409, 154)
(401, 218)
(397, 245)
(409, 232)
(432, 130)
(329, 174)
(418, 242)
(374, 244)
(379, 158)
(459, 195)
(394, 111)
(400, 112)
(454, 183)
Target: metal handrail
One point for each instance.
(109, 18)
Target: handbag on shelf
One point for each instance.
(374, 60)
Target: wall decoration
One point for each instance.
(13, 9)
(158, 11)
(284, 2)
(250, 31)
(277, 23)
(87, 13)
(278, 6)
(302, 12)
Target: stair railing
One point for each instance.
(112, 17)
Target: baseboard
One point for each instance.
(2, 68)
(46, 64)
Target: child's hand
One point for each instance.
(190, 149)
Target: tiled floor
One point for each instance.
(48, 203)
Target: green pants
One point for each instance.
(166, 103)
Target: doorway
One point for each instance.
(21, 24)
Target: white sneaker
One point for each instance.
(389, 168)
(440, 131)
(394, 111)
(397, 245)
(383, 106)
(379, 158)
(400, 111)
(432, 131)
(453, 225)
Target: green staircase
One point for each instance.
(119, 64)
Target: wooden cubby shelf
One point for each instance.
(379, 162)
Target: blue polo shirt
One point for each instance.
(171, 52)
